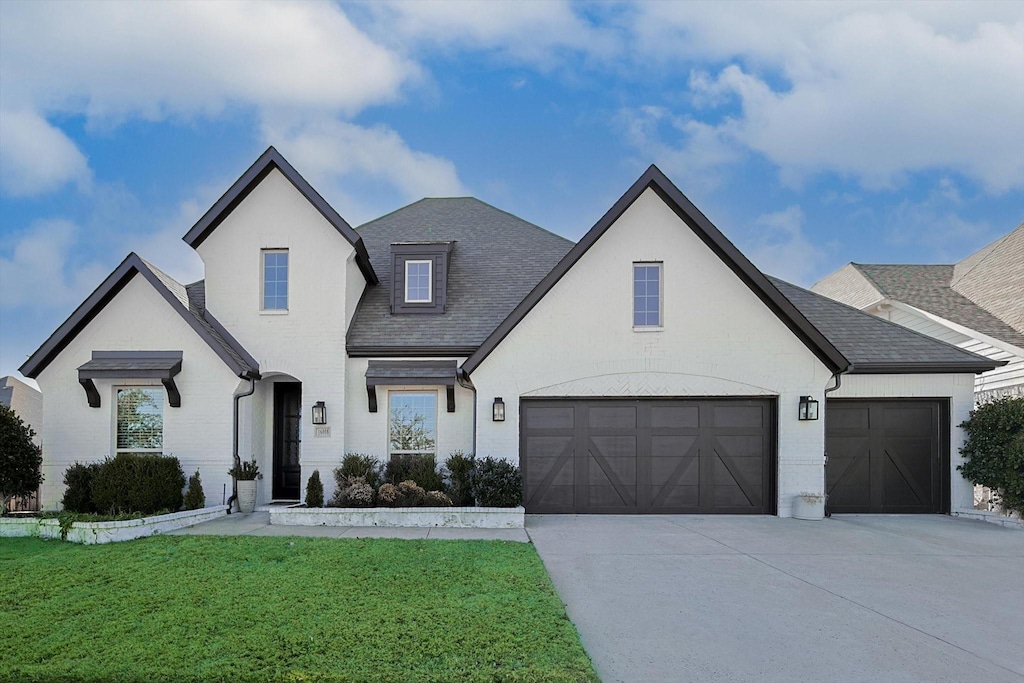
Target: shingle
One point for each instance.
(867, 340)
(929, 288)
(993, 278)
(495, 262)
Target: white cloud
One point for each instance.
(39, 272)
(36, 157)
(538, 33)
(329, 150)
(871, 90)
(779, 247)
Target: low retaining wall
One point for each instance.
(991, 518)
(90, 533)
(465, 518)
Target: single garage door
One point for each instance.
(887, 456)
(653, 456)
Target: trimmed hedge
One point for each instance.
(995, 450)
(496, 482)
(78, 494)
(138, 482)
(459, 467)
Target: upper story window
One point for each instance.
(140, 420)
(418, 282)
(647, 295)
(275, 280)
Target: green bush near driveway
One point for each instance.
(207, 608)
(995, 450)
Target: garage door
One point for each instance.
(887, 456)
(648, 456)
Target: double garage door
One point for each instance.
(887, 456)
(654, 456)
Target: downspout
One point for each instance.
(234, 440)
(838, 377)
(463, 379)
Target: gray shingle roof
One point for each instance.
(496, 260)
(871, 343)
(928, 288)
(994, 278)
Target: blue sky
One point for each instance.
(812, 134)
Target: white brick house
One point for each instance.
(649, 368)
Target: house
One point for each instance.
(24, 400)
(976, 304)
(648, 368)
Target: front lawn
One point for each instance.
(207, 608)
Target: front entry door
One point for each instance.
(287, 437)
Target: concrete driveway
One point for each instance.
(852, 598)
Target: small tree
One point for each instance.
(995, 450)
(314, 491)
(21, 461)
(195, 498)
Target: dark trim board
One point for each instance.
(649, 455)
(880, 470)
(753, 278)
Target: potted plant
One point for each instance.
(246, 474)
(809, 506)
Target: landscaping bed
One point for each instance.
(196, 608)
(452, 517)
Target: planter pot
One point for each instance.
(247, 495)
(809, 507)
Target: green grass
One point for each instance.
(205, 608)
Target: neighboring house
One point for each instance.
(648, 368)
(24, 400)
(976, 304)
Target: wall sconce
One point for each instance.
(498, 414)
(808, 408)
(319, 413)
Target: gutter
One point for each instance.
(463, 379)
(838, 377)
(234, 439)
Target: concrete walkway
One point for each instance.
(853, 598)
(258, 524)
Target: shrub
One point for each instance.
(417, 467)
(245, 471)
(314, 491)
(995, 450)
(387, 495)
(138, 482)
(195, 499)
(360, 465)
(495, 482)
(353, 493)
(437, 499)
(21, 460)
(459, 466)
(78, 494)
(410, 494)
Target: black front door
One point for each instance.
(287, 419)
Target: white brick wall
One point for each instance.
(198, 433)
(719, 339)
(958, 388)
(306, 344)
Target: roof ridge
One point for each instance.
(868, 315)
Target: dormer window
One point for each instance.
(419, 272)
(418, 282)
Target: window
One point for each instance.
(417, 282)
(140, 420)
(275, 280)
(413, 422)
(646, 295)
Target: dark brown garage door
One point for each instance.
(887, 456)
(648, 456)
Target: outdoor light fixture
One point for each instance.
(319, 413)
(499, 410)
(808, 408)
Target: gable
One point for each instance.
(850, 286)
(268, 162)
(201, 322)
(654, 185)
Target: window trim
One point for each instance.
(263, 281)
(660, 265)
(430, 281)
(387, 435)
(117, 388)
